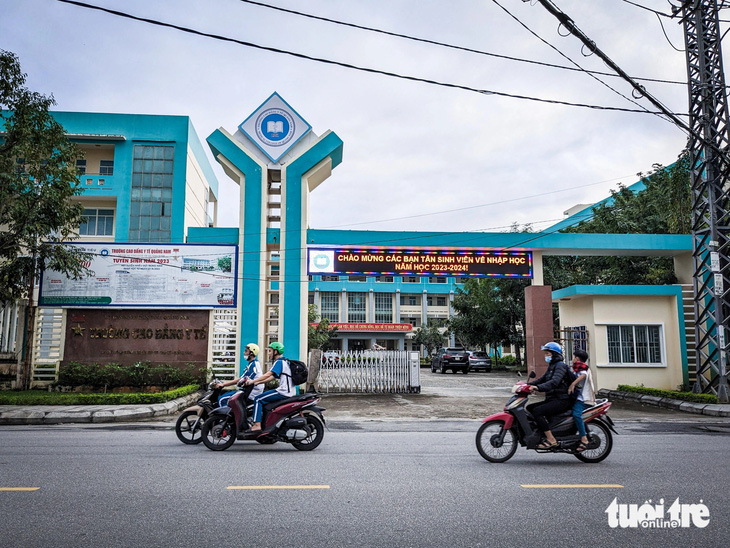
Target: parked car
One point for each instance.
(455, 359)
(331, 358)
(479, 360)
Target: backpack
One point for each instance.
(299, 372)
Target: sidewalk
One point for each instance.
(424, 406)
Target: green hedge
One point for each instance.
(114, 375)
(673, 394)
(42, 397)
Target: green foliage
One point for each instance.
(37, 181)
(663, 207)
(38, 397)
(140, 374)
(672, 394)
(321, 335)
(430, 336)
(508, 360)
(489, 311)
(224, 263)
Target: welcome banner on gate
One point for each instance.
(420, 262)
(148, 275)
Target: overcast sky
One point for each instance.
(416, 156)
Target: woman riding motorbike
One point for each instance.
(557, 399)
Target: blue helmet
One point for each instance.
(552, 347)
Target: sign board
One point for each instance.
(420, 262)
(148, 275)
(275, 127)
(390, 327)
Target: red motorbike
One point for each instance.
(499, 434)
(296, 420)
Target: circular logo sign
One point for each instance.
(322, 261)
(275, 127)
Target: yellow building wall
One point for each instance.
(596, 312)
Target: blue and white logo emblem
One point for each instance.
(275, 127)
(321, 260)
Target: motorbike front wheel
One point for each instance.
(189, 427)
(219, 432)
(600, 443)
(489, 445)
(316, 433)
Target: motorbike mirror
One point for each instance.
(532, 374)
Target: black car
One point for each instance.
(455, 359)
(479, 360)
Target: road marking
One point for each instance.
(19, 488)
(254, 487)
(574, 486)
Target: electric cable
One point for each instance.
(446, 45)
(351, 66)
(521, 23)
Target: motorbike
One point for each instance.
(499, 434)
(296, 420)
(189, 425)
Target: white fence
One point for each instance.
(371, 371)
(10, 320)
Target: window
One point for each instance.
(330, 278)
(106, 167)
(383, 308)
(384, 279)
(634, 344)
(409, 300)
(310, 298)
(437, 280)
(410, 279)
(330, 306)
(356, 307)
(81, 166)
(97, 222)
(357, 278)
(440, 301)
(150, 217)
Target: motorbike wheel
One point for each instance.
(488, 442)
(600, 442)
(313, 440)
(219, 432)
(189, 427)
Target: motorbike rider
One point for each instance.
(553, 384)
(252, 371)
(286, 389)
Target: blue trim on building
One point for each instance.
(640, 290)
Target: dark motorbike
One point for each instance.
(296, 420)
(189, 425)
(499, 434)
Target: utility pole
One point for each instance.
(710, 174)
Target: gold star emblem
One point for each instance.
(78, 330)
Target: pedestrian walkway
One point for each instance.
(425, 406)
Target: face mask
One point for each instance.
(548, 359)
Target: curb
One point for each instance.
(710, 409)
(16, 415)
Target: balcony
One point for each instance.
(94, 183)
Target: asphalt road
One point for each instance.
(371, 483)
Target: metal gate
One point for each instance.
(371, 371)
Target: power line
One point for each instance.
(446, 45)
(566, 57)
(351, 66)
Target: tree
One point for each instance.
(431, 335)
(37, 181)
(490, 311)
(663, 207)
(224, 263)
(321, 335)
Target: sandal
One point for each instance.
(582, 446)
(546, 445)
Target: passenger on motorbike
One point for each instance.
(553, 384)
(286, 389)
(252, 371)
